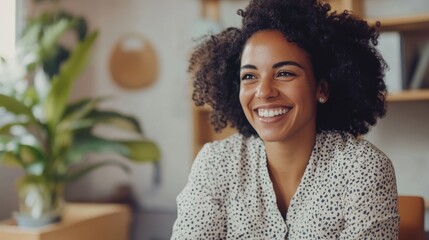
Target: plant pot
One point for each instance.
(40, 201)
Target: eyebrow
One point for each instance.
(248, 66)
(276, 65)
(281, 64)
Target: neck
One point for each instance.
(288, 159)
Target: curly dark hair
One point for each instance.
(341, 48)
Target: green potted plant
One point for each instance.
(44, 133)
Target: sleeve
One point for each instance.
(200, 214)
(370, 208)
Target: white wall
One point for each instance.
(163, 108)
(8, 194)
(395, 8)
(404, 136)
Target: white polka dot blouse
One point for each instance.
(348, 191)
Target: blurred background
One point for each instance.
(163, 106)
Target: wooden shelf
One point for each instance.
(419, 22)
(203, 130)
(406, 23)
(409, 96)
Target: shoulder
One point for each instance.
(229, 151)
(234, 145)
(358, 161)
(346, 144)
(222, 162)
(235, 140)
(349, 150)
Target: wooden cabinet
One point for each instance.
(80, 221)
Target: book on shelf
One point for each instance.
(390, 48)
(415, 49)
(421, 72)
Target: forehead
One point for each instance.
(272, 45)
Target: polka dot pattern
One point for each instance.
(348, 191)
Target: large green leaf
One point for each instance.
(116, 119)
(5, 129)
(4, 139)
(32, 159)
(142, 151)
(9, 158)
(30, 154)
(81, 108)
(40, 38)
(74, 114)
(77, 173)
(29, 157)
(76, 125)
(94, 145)
(63, 142)
(83, 127)
(9, 152)
(16, 107)
(62, 83)
(30, 97)
(51, 35)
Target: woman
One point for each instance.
(300, 85)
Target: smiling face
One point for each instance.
(278, 90)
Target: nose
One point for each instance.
(266, 89)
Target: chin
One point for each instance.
(270, 137)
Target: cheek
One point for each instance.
(245, 100)
(305, 92)
(244, 97)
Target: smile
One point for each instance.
(272, 112)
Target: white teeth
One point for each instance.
(272, 112)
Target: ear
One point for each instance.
(322, 91)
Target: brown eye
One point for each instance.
(285, 74)
(247, 77)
